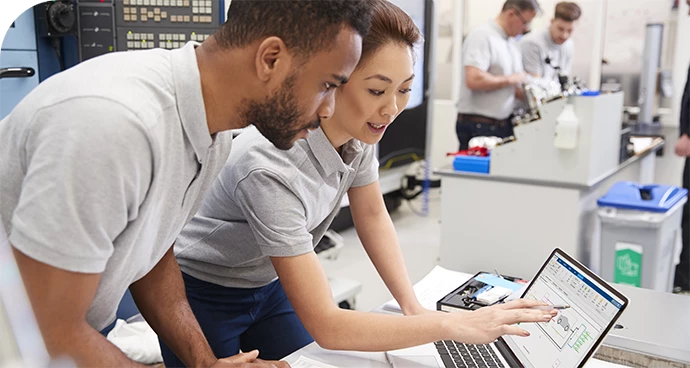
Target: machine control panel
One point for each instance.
(169, 24)
(168, 13)
(164, 38)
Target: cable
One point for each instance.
(57, 45)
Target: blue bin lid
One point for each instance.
(651, 198)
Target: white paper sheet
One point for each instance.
(434, 286)
(304, 362)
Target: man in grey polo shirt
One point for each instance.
(103, 164)
(548, 51)
(492, 73)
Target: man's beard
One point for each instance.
(277, 118)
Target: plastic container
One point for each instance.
(641, 234)
(475, 164)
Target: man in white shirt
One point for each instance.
(550, 50)
(492, 72)
(103, 164)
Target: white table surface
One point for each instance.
(355, 359)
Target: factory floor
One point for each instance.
(420, 236)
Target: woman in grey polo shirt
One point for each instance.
(248, 256)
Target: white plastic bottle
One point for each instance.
(567, 129)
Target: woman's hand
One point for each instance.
(486, 324)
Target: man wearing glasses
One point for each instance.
(492, 73)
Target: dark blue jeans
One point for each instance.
(247, 319)
(468, 129)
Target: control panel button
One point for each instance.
(185, 3)
(166, 2)
(130, 44)
(195, 10)
(144, 18)
(195, 19)
(180, 3)
(157, 18)
(143, 11)
(126, 10)
(161, 45)
(176, 37)
(173, 18)
(209, 10)
(187, 18)
(183, 37)
(133, 17)
(125, 2)
(127, 18)
(149, 14)
(176, 45)
(157, 11)
(130, 36)
(164, 14)
(149, 36)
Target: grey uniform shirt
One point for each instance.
(536, 46)
(270, 203)
(489, 49)
(103, 164)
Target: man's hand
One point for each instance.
(683, 146)
(486, 324)
(248, 360)
(517, 78)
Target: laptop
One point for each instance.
(567, 341)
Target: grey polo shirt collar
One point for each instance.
(328, 157)
(498, 28)
(190, 101)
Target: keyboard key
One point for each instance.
(447, 361)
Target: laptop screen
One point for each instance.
(567, 340)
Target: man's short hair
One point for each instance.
(305, 25)
(522, 5)
(568, 11)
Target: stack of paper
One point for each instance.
(434, 286)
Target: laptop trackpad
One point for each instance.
(412, 361)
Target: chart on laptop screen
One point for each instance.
(565, 340)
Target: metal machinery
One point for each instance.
(18, 63)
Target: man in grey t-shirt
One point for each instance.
(103, 164)
(492, 71)
(547, 52)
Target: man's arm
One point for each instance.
(376, 230)
(161, 298)
(478, 80)
(60, 300)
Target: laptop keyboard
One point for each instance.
(458, 355)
